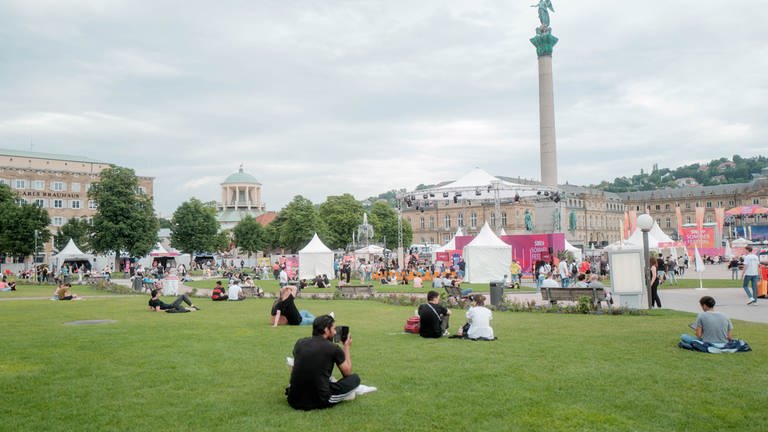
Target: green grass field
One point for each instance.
(223, 368)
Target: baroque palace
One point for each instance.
(592, 218)
(57, 183)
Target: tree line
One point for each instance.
(125, 222)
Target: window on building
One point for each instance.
(59, 186)
(473, 220)
(460, 220)
(143, 191)
(40, 203)
(431, 222)
(687, 219)
(58, 221)
(75, 204)
(709, 204)
(687, 206)
(666, 206)
(21, 201)
(446, 238)
(58, 203)
(731, 203)
(658, 206)
(719, 203)
(20, 184)
(92, 205)
(447, 222)
(756, 201)
(5, 182)
(708, 219)
(493, 219)
(88, 187)
(503, 218)
(75, 187)
(667, 223)
(38, 185)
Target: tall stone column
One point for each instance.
(544, 42)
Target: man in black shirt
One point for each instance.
(314, 358)
(157, 305)
(433, 317)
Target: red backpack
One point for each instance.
(412, 325)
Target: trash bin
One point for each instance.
(497, 292)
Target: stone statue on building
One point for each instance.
(556, 225)
(572, 221)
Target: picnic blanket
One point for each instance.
(735, 345)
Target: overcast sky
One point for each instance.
(321, 97)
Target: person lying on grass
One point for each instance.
(285, 306)
(157, 305)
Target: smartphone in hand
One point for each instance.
(342, 332)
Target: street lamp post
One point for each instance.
(645, 223)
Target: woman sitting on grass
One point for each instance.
(62, 293)
(285, 307)
(479, 318)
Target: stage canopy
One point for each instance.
(315, 259)
(477, 185)
(72, 253)
(487, 257)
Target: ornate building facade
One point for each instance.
(240, 196)
(591, 218)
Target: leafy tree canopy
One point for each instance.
(250, 236)
(340, 216)
(125, 219)
(384, 220)
(194, 227)
(77, 229)
(19, 223)
(295, 225)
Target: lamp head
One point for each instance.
(645, 222)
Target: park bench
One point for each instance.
(454, 292)
(356, 290)
(554, 295)
(94, 279)
(253, 291)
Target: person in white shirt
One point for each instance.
(750, 275)
(283, 277)
(565, 274)
(479, 318)
(234, 292)
(550, 282)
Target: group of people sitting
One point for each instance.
(235, 291)
(434, 319)
(6, 285)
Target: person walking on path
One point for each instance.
(750, 275)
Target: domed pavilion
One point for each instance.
(240, 196)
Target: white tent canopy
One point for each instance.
(451, 245)
(487, 257)
(574, 250)
(740, 242)
(72, 253)
(160, 251)
(315, 259)
(477, 184)
(370, 250)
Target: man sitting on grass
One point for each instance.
(433, 317)
(714, 331)
(313, 360)
(157, 305)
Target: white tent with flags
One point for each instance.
(315, 259)
(487, 257)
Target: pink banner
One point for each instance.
(679, 216)
(632, 221)
(720, 218)
(527, 248)
(699, 218)
(690, 237)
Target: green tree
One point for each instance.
(77, 229)
(250, 236)
(296, 224)
(194, 227)
(164, 223)
(384, 220)
(19, 223)
(222, 241)
(124, 220)
(340, 216)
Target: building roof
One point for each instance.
(691, 191)
(240, 177)
(52, 156)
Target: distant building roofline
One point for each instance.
(52, 156)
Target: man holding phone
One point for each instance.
(314, 357)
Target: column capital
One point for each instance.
(544, 43)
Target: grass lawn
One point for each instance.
(223, 368)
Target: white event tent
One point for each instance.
(71, 253)
(574, 250)
(487, 257)
(451, 245)
(315, 259)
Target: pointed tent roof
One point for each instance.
(371, 250)
(71, 251)
(486, 238)
(660, 235)
(479, 184)
(451, 245)
(315, 246)
(160, 251)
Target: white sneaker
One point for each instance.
(350, 396)
(363, 389)
(751, 301)
(332, 315)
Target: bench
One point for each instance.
(356, 290)
(554, 295)
(253, 291)
(94, 279)
(454, 292)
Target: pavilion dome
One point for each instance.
(240, 177)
